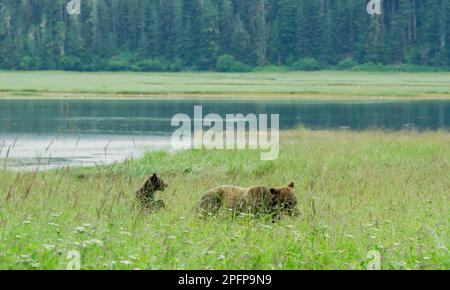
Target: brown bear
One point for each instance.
(257, 200)
(146, 194)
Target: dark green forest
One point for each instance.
(224, 35)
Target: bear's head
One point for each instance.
(157, 183)
(284, 198)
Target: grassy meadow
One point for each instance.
(285, 85)
(358, 192)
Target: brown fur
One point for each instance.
(146, 194)
(255, 200)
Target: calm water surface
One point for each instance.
(51, 133)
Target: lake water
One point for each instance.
(51, 133)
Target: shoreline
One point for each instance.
(273, 86)
(289, 136)
(265, 97)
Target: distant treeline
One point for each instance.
(224, 35)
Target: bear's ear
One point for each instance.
(154, 178)
(291, 185)
(274, 191)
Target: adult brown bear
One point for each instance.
(257, 200)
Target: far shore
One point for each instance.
(209, 97)
(265, 86)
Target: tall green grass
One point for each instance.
(358, 192)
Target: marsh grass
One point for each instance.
(358, 192)
(334, 85)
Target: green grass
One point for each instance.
(358, 192)
(322, 84)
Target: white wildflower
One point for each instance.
(126, 262)
(80, 229)
(49, 247)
